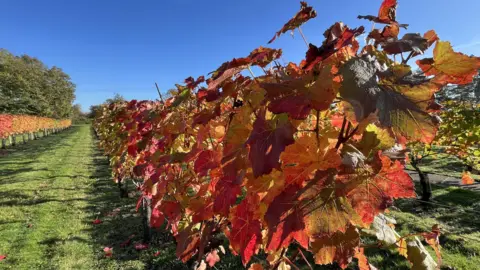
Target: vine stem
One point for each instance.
(251, 73)
(303, 36)
(305, 259)
(159, 93)
(405, 61)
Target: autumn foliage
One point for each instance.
(18, 124)
(299, 154)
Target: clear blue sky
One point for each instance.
(124, 46)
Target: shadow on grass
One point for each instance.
(458, 211)
(16, 155)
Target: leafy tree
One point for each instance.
(29, 87)
(95, 109)
(79, 117)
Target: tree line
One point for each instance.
(28, 86)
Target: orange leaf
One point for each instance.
(387, 12)
(449, 66)
(467, 179)
(362, 259)
(306, 13)
(301, 159)
(371, 194)
(255, 266)
(339, 247)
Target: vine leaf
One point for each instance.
(301, 159)
(387, 13)
(371, 193)
(339, 247)
(306, 13)
(337, 37)
(448, 66)
(408, 43)
(245, 234)
(401, 111)
(206, 160)
(325, 210)
(362, 259)
(285, 221)
(297, 97)
(157, 218)
(212, 258)
(267, 141)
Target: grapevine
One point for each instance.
(301, 154)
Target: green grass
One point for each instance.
(457, 211)
(52, 189)
(443, 164)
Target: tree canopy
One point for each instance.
(28, 86)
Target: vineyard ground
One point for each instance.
(53, 188)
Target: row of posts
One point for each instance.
(12, 139)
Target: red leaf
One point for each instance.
(192, 83)
(371, 194)
(108, 251)
(285, 221)
(2, 257)
(187, 243)
(97, 221)
(267, 141)
(298, 97)
(226, 71)
(245, 235)
(157, 218)
(227, 195)
(208, 95)
(336, 37)
(206, 115)
(141, 246)
(264, 56)
(212, 258)
(207, 160)
(172, 211)
(306, 13)
(128, 241)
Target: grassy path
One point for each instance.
(50, 192)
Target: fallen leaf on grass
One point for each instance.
(467, 179)
(141, 246)
(97, 221)
(108, 251)
(127, 242)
